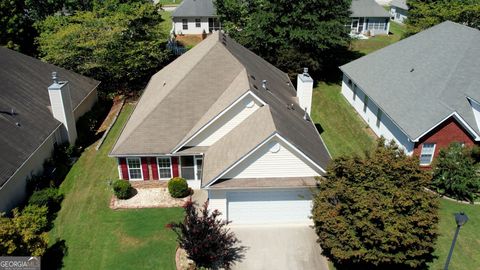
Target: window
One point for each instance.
(426, 155)
(164, 167)
(365, 103)
(184, 24)
(134, 169)
(213, 24)
(188, 167)
(379, 117)
(354, 92)
(197, 23)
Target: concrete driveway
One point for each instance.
(280, 247)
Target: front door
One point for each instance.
(198, 167)
(354, 25)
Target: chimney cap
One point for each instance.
(305, 70)
(54, 77)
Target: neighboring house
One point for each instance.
(195, 17)
(232, 124)
(35, 115)
(399, 10)
(369, 18)
(423, 91)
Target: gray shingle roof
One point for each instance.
(421, 80)
(185, 95)
(399, 3)
(367, 8)
(195, 8)
(24, 84)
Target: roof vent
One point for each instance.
(411, 70)
(264, 84)
(305, 72)
(305, 114)
(54, 77)
(290, 106)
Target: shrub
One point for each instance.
(178, 187)
(455, 173)
(206, 240)
(49, 197)
(122, 189)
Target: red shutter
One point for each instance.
(146, 176)
(123, 167)
(153, 163)
(175, 166)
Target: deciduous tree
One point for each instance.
(373, 213)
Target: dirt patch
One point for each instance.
(148, 197)
(117, 106)
(189, 40)
(128, 241)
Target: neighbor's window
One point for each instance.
(187, 167)
(164, 167)
(354, 92)
(197, 22)
(134, 168)
(185, 24)
(365, 103)
(379, 117)
(426, 156)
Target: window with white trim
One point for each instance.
(187, 165)
(164, 167)
(184, 24)
(354, 92)
(197, 23)
(379, 117)
(134, 168)
(426, 156)
(365, 103)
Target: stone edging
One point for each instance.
(109, 127)
(451, 199)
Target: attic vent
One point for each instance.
(290, 106)
(264, 84)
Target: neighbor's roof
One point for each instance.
(195, 8)
(24, 84)
(185, 95)
(367, 8)
(399, 3)
(421, 80)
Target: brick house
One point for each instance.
(423, 91)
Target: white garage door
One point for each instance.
(264, 207)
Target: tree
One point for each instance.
(24, 234)
(455, 173)
(289, 34)
(205, 239)
(373, 213)
(16, 30)
(120, 44)
(423, 14)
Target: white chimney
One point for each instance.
(304, 90)
(61, 104)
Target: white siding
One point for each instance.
(266, 163)
(387, 128)
(86, 105)
(217, 199)
(398, 14)
(192, 29)
(226, 122)
(476, 111)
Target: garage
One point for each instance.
(271, 206)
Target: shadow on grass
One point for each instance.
(53, 257)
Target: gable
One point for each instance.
(273, 159)
(243, 108)
(476, 111)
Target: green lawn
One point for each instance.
(466, 255)
(167, 21)
(372, 44)
(170, 2)
(343, 130)
(100, 238)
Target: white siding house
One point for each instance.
(399, 10)
(368, 18)
(195, 17)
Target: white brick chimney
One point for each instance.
(61, 104)
(304, 90)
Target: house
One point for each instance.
(423, 91)
(195, 17)
(232, 124)
(369, 18)
(36, 113)
(399, 10)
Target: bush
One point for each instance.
(455, 173)
(178, 187)
(122, 189)
(49, 197)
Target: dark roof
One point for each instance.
(195, 8)
(421, 80)
(280, 182)
(24, 84)
(367, 8)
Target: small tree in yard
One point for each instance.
(205, 239)
(455, 173)
(373, 213)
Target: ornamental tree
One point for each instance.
(372, 212)
(205, 239)
(456, 174)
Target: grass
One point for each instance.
(169, 2)
(466, 254)
(97, 237)
(341, 128)
(167, 22)
(366, 46)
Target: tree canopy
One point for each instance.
(423, 14)
(373, 213)
(289, 34)
(120, 44)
